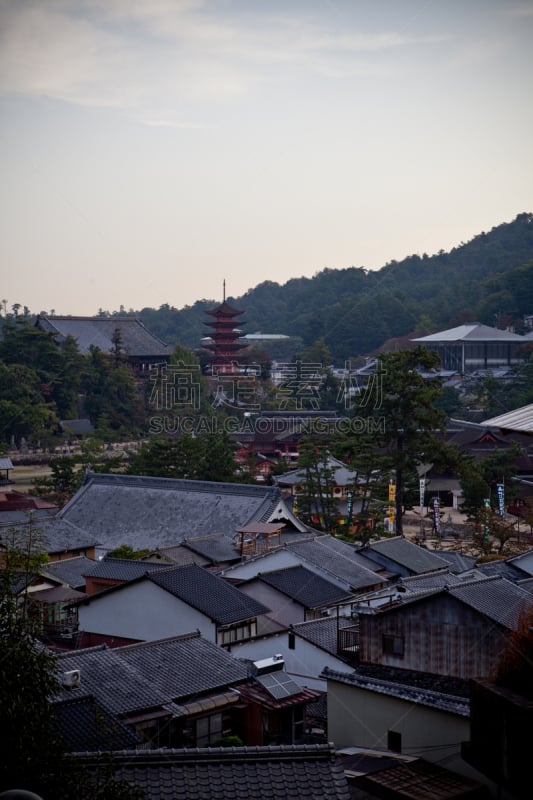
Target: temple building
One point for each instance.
(225, 340)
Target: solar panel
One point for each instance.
(279, 685)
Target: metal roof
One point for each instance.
(475, 332)
(521, 419)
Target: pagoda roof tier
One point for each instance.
(224, 309)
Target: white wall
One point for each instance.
(143, 611)
(304, 664)
(361, 718)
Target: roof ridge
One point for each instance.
(150, 643)
(193, 485)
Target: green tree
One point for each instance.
(316, 504)
(405, 407)
(33, 753)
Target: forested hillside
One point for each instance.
(489, 279)
(354, 310)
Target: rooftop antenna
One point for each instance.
(224, 290)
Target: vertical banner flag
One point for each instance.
(501, 500)
(349, 508)
(422, 492)
(436, 514)
(392, 500)
(486, 503)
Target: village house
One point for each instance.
(307, 648)
(457, 630)
(185, 691)
(295, 594)
(168, 602)
(335, 560)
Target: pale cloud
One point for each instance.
(152, 54)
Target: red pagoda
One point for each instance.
(224, 336)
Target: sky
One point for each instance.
(151, 149)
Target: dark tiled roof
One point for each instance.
(86, 726)
(497, 599)
(215, 548)
(457, 562)
(337, 560)
(304, 586)
(99, 332)
(185, 665)
(323, 632)
(121, 569)
(416, 559)
(58, 535)
(304, 772)
(158, 512)
(70, 570)
(503, 569)
(151, 674)
(414, 694)
(208, 593)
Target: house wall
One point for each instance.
(362, 718)
(304, 663)
(282, 608)
(440, 635)
(143, 611)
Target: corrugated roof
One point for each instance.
(521, 419)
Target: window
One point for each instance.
(393, 645)
(394, 741)
(208, 729)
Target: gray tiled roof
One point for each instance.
(136, 340)
(156, 512)
(208, 593)
(304, 586)
(185, 665)
(339, 560)
(85, 726)
(416, 559)
(129, 679)
(298, 772)
(59, 535)
(457, 562)
(121, 569)
(498, 599)
(70, 570)
(404, 691)
(342, 475)
(215, 548)
(323, 632)
(503, 569)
